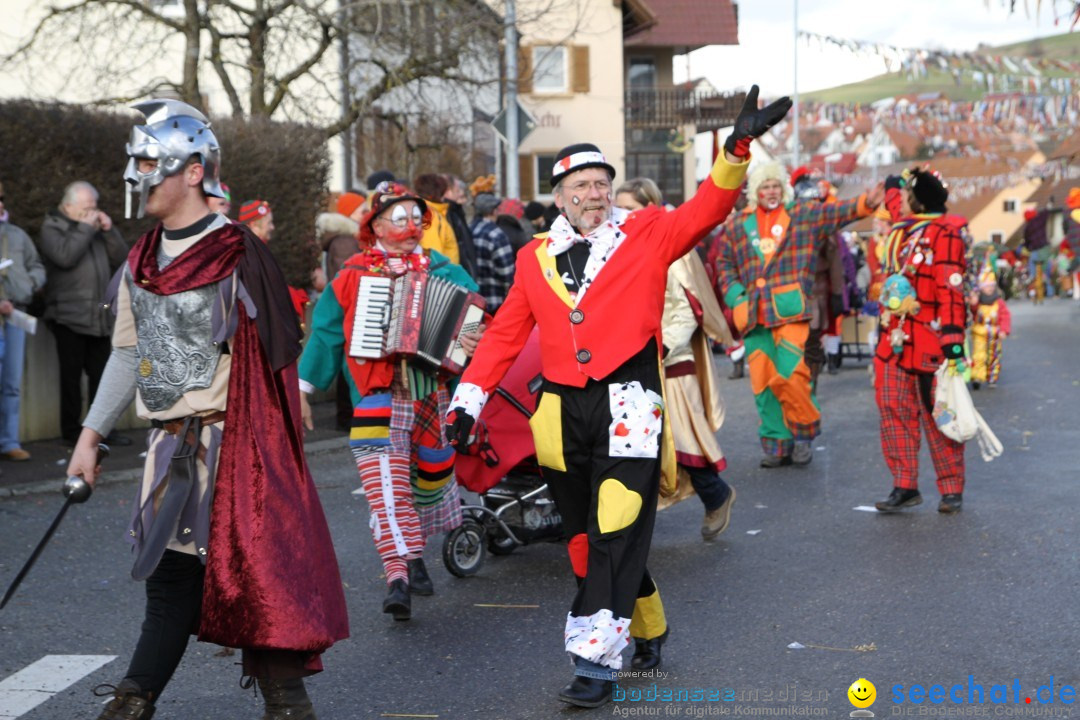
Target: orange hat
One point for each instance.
(348, 202)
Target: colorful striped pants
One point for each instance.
(406, 471)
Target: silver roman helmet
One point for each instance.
(173, 133)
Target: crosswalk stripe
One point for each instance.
(39, 681)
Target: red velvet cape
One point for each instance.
(272, 578)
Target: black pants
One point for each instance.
(78, 353)
(595, 445)
(173, 604)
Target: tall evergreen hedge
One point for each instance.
(45, 146)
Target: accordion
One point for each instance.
(416, 316)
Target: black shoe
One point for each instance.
(975, 385)
(950, 503)
(774, 461)
(647, 652)
(586, 692)
(832, 364)
(286, 700)
(419, 580)
(898, 499)
(397, 602)
(802, 453)
(738, 370)
(116, 439)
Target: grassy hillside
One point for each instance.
(1062, 47)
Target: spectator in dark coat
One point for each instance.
(456, 196)
(82, 250)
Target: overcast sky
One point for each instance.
(765, 51)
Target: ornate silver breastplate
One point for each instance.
(175, 347)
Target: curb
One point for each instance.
(132, 474)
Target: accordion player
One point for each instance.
(396, 322)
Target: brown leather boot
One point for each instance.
(286, 700)
(126, 704)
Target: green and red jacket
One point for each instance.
(781, 287)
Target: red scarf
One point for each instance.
(212, 259)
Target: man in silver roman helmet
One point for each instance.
(206, 344)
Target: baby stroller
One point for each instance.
(515, 505)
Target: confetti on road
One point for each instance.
(865, 508)
(497, 605)
(752, 532)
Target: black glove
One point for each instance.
(459, 425)
(894, 182)
(836, 304)
(753, 122)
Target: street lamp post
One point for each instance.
(795, 93)
(513, 174)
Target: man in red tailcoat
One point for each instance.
(206, 344)
(594, 285)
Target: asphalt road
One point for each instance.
(917, 598)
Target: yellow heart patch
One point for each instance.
(617, 507)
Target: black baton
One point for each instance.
(76, 490)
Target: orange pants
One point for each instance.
(780, 380)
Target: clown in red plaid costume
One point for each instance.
(925, 249)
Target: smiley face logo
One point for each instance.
(862, 693)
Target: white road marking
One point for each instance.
(39, 681)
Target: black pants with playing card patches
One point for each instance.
(599, 450)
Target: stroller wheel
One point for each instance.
(463, 549)
(500, 545)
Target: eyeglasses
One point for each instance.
(601, 185)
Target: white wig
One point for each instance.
(761, 173)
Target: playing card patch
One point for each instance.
(637, 418)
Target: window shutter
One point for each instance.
(525, 175)
(525, 69)
(580, 69)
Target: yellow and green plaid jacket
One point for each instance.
(783, 285)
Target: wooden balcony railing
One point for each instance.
(665, 109)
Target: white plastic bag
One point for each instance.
(956, 416)
(954, 413)
(989, 446)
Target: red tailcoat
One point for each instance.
(624, 304)
(272, 580)
(932, 254)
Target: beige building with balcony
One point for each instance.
(601, 71)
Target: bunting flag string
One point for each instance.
(990, 72)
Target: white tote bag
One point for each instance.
(954, 412)
(956, 416)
